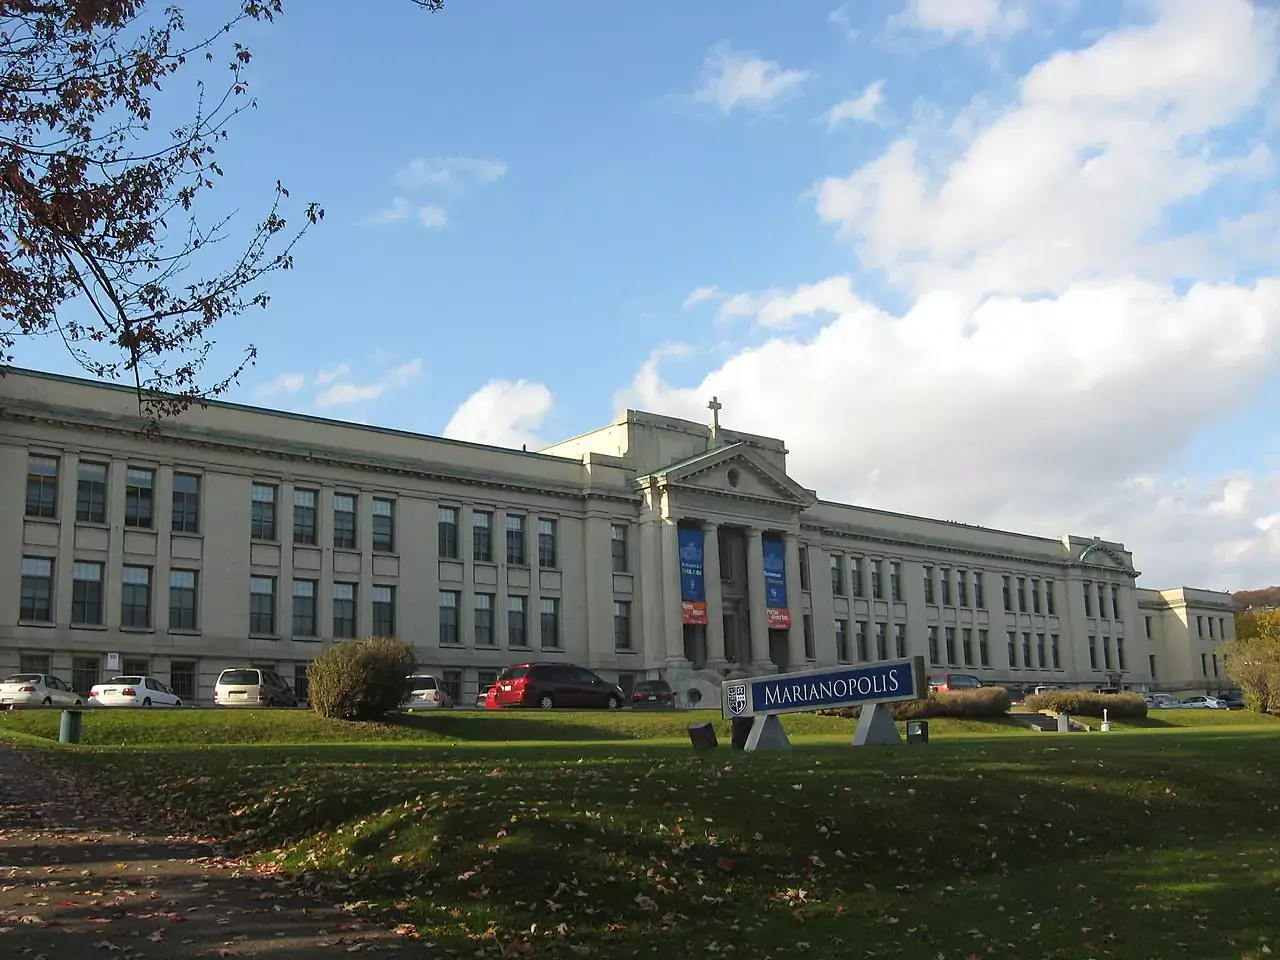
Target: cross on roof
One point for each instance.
(715, 406)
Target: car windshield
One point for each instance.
(651, 686)
(239, 676)
(23, 678)
(125, 680)
(422, 683)
(513, 673)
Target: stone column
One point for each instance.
(756, 604)
(715, 599)
(672, 621)
(795, 636)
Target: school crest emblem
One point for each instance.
(736, 697)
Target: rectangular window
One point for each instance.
(950, 634)
(547, 544)
(301, 682)
(1022, 594)
(36, 602)
(1087, 588)
(91, 493)
(517, 622)
(1102, 601)
(618, 548)
(262, 525)
(384, 526)
(1007, 589)
(33, 663)
(304, 517)
(1042, 658)
(979, 591)
(934, 657)
(837, 576)
(304, 608)
(899, 640)
(1215, 661)
(944, 579)
(550, 619)
(804, 567)
(481, 536)
(42, 487)
(86, 594)
(482, 628)
(895, 581)
(962, 587)
(85, 673)
(855, 576)
(1200, 627)
(882, 641)
(1106, 652)
(1115, 603)
(1013, 650)
(136, 666)
(262, 605)
(877, 590)
(515, 541)
(1026, 650)
(1204, 668)
(182, 600)
(1151, 662)
(984, 649)
(1035, 596)
(384, 611)
(451, 680)
(966, 645)
(621, 625)
(447, 525)
(139, 497)
(182, 680)
(1055, 648)
(807, 622)
(1222, 628)
(135, 598)
(186, 503)
(843, 653)
(1051, 604)
(928, 585)
(864, 643)
(1122, 666)
(1146, 623)
(344, 611)
(450, 629)
(1093, 652)
(344, 521)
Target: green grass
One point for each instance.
(1121, 846)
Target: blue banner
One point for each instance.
(693, 594)
(822, 689)
(775, 573)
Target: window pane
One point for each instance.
(304, 588)
(381, 594)
(344, 591)
(139, 478)
(87, 572)
(261, 585)
(304, 498)
(139, 576)
(37, 567)
(262, 493)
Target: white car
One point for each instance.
(36, 689)
(1204, 703)
(425, 693)
(133, 692)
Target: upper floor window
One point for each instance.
(515, 540)
(447, 526)
(344, 521)
(186, 503)
(1115, 602)
(877, 588)
(42, 487)
(837, 576)
(86, 594)
(804, 567)
(945, 581)
(36, 601)
(263, 521)
(91, 493)
(135, 598)
(384, 527)
(547, 543)
(1035, 596)
(1050, 602)
(962, 587)
(618, 548)
(482, 536)
(895, 581)
(928, 585)
(855, 576)
(139, 497)
(1088, 598)
(979, 591)
(304, 526)
(384, 611)
(1006, 586)
(1022, 594)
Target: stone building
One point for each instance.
(653, 547)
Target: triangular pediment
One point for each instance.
(736, 471)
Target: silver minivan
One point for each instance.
(251, 687)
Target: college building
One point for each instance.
(651, 548)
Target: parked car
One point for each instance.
(133, 692)
(953, 681)
(653, 694)
(426, 693)
(251, 687)
(1162, 701)
(483, 696)
(1233, 699)
(1204, 703)
(549, 685)
(37, 689)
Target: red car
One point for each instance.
(550, 685)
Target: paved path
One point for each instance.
(74, 884)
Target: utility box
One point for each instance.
(917, 731)
(69, 728)
(1064, 723)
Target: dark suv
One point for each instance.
(548, 685)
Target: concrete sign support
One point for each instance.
(763, 699)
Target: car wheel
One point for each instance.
(78, 703)
(271, 702)
(613, 703)
(546, 702)
(47, 702)
(177, 703)
(146, 702)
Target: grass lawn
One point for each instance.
(1022, 846)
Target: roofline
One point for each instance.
(950, 523)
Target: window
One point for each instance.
(1211, 636)
(882, 641)
(86, 594)
(804, 567)
(843, 654)
(136, 666)
(84, 673)
(182, 600)
(979, 593)
(1120, 659)
(301, 683)
(1093, 652)
(37, 590)
(966, 645)
(807, 623)
(855, 576)
(481, 536)
(487, 678)
(33, 663)
(1214, 656)
(618, 547)
(344, 521)
(447, 526)
(1200, 627)
(515, 541)
(304, 607)
(186, 503)
(621, 625)
(450, 632)
(550, 619)
(962, 587)
(1026, 650)
(1115, 607)
(864, 645)
(547, 543)
(934, 659)
(384, 611)
(1022, 594)
(262, 605)
(182, 680)
(928, 585)
(1051, 605)
(91, 493)
(950, 634)
(1042, 659)
(1102, 601)
(944, 577)
(1055, 649)
(837, 576)
(451, 680)
(1007, 589)
(1106, 653)
(1222, 628)
(135, 598)
(263, 523)
(42, 487)
(517, 622)
(139, 497)
(899, 640)
(1146, 623)
(877, 591)
(1087, 587)
(895, 581)
(344, 611)
(984, 649)
(384, 526)
(304, 517)
(1035, 596)
(1204, 668)
(483, 625)
(1151, 662)
(1013, 650)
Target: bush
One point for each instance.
(360, 680)
(982, 704)
(1085, 703)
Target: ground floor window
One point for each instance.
(33, 663)
(300, 679)
(485, 679)
(452, 680)
(136, 666)
(182, 679)
(84, 673)
(627, 681)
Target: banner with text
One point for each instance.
(775, 584)
(693, 595)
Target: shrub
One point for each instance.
(360, 680)
(1085, 703)
(980, 704)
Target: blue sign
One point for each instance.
(888, 682)
(693, 595)
(775, 573)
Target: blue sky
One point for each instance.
(565, 188)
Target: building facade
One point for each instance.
(653, 547)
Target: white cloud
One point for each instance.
(285, 383)
(840, 17)
(862, 107)
(450, 172)
(502, 413)
(700, 295)
(976, 18)
(432, 215)
(346, 393)
(734, 78)
(394, 212)
(332, 374)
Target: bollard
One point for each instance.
(1106, 722)
(703, 736)
(1064, 723)
(69, 728)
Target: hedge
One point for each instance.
(360, 679)
(982, 704)
(1084, 703)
